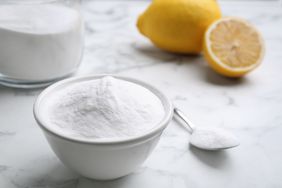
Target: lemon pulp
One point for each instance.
(233, 47)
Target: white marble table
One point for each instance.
(250, 107)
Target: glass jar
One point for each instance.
(41, 41)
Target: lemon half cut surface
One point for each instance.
(233, 47)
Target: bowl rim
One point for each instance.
(168, 108)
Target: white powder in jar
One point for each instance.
(104, 108)
(39, 42)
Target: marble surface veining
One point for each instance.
(251, 108)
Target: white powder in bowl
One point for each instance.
(104, 108)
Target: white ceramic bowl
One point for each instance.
(102, 160)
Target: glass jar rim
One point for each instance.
(29, 2)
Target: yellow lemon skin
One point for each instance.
(178, 25)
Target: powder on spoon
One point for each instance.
(212, 138)
(104, 108)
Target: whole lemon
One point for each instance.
(178, 25)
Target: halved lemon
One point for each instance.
(233, 47)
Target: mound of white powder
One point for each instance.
(104, 108)
(213, 138)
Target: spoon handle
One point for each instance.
(184, 118)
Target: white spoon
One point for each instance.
(208, 138)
